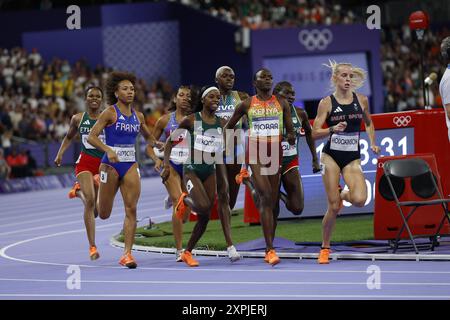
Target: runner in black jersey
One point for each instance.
(343, 112)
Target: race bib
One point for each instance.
(126, 153)
(226, 115)
(265, 127)
(208, 144)
(344, 141)
(289, 150)
(87, 145)
(179, 154)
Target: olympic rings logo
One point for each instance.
(315, 39)
(401, 121)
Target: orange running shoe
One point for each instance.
(127, 260)
(180, 208)
(271, 257)
(93, 253)
(242, 175)
(186, 256)
(73, 192)
(324, 256)
(97, 180)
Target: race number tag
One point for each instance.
(179, 154)
(89, 146)
(189, 186)
(208, 144)
(125, 153)
(265, 127)
(289, 150)
(344, 141)
(103, 177)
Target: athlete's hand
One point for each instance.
(159, 145)
(158, 165)
(316, 166)
(112, 156)
(58, 160)
(375, 149)
(340, 127)
(165, 172)
(291, 138)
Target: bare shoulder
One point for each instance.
(325, 103)
(163, 120)
(363, 100)
(77, 117)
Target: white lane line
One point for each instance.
(4, 255)
(141, 212)
(117, 207)
(4, 249)
(209, 296)
(284, 283)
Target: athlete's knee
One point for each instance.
(359, 200)
(223, 199)
(130, 210)
(203, 217)
(89, 203)
(296, 206)
(203, 207)
(103, 211)
(334, 206)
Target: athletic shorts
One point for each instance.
(87, 163)
(263, 152)
(289, 163)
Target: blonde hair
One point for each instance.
(359, 74)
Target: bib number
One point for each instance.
(265, 128)
(89, 146)
(179, 155)
(289, 150)
(344, 142)
(125, 153)
(208, 144)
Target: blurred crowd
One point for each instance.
(401, 67)
(263, 14)
(38, 98)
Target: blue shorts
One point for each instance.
(177, 167)
(120, 167)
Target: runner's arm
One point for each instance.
(73, 130)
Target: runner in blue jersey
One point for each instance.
(119, 169)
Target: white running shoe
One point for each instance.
(167, 202)
(178, 255)
(233, 254)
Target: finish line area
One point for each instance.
(42, 240)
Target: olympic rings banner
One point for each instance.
(297, 55)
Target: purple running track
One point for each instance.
(42, 234)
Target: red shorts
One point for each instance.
(88, 163)
(290, 165)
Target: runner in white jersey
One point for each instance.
(444, 85)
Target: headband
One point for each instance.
(208, 91)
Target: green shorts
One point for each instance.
(203, 171)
